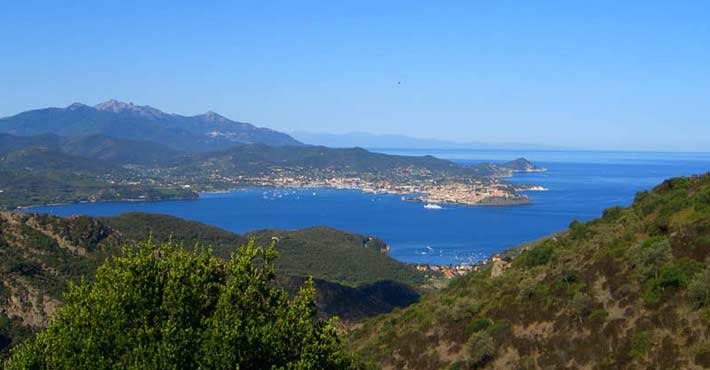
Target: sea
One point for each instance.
(581, 184)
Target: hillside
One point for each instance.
(261, 159)
(630, 290)
(38, 175)
(41, 254)
(129, 121)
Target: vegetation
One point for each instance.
(40, 255)
(628, 290)
(161, 307)
(322, 252)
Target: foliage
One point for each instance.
(581, 305)
(535, 256)
(480, 347)
(623, 279)
(161, 307)
(650, 255)
(641, 343)
(324, 253)
(699, 289)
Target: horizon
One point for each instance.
(597, 76)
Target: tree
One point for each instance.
(162, 307)
(651, 255)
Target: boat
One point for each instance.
(432, 206)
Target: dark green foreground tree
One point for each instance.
(162, 307)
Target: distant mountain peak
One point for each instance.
(211, 116)
(117, 106)
(75, 106)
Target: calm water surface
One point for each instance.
(581, 185)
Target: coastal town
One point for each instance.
(488, 191)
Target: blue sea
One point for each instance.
(581, 184)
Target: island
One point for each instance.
(84, 154)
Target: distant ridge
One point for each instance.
(125, 120)
(390, 141)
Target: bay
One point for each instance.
(581, 185)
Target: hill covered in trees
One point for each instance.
(40, 255)
(630, 290)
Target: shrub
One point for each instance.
(499, 328)
(651, 294)
(581, 305)
(478, 325)
(481, 347)
(641, 344)
(537, 256)
(161, 307)
(578, 230)
(612, 214)
(699, 289)
(678, 273)
(599, 316)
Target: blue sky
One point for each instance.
(592, 74)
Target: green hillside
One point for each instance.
(326, 253)
(259, 159)
(41, 254)
(630, 290)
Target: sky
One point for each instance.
(588, 74)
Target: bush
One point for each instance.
(579, 231)
(599, 316)
(678, 273)
(481, 347)
(641, 344)
(161, 307)
(537, 256)
(581, 305)
(478, 325)
(499, 329)
(651, 294)
(612, 214)
(699, 289)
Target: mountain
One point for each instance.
(630, 290)
(116, 119)
(389, 141)
(41, 254)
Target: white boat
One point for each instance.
(432, 206)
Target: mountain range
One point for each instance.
(203, 132)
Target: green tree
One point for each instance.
(162, 307)
(650, 255)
